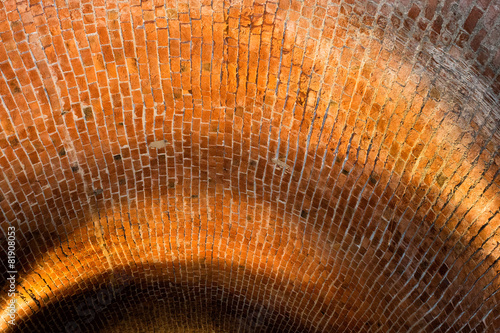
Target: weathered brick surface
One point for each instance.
(281, 166)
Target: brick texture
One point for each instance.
(251, 165)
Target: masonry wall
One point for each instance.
(251, 166)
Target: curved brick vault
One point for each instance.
(251, 166)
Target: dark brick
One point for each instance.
(472, 19)
(476, 41)
(414, 12)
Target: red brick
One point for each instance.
(476, 41)
(414, 12)
(472, 19)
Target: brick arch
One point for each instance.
(338, 159)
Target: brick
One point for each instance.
(476, 41)
(414, 12)
(472, 19)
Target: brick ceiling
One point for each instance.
(251, 166)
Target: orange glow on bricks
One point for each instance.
(250, 166)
